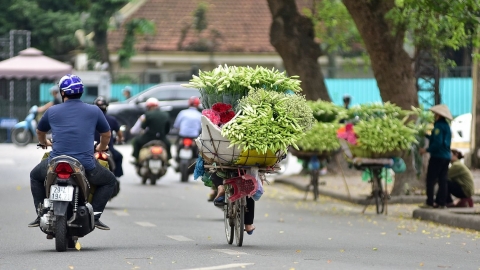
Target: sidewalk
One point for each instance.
(334, 187)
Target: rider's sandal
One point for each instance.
(250, 232)
(220, 201)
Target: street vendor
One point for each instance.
(439, 149)
(460, 182)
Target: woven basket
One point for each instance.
(308, 154)
(214, 148)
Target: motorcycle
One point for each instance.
(153, 161)
(187, 155)
(67, 214)
(24, 132)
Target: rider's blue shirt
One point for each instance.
(189, 123)
(73, 124)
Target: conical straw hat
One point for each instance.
(442, 110)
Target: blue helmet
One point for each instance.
(71, 85)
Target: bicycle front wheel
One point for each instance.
(239, 210)
(229, 221)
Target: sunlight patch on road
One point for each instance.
(225, 266)
(145, 224)
(179, 238)
(230, 251)
(121, 213)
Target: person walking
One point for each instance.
(439, 149)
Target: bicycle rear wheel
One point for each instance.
(228, 217)
(315, 174)
(239, 211)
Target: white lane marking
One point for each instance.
(146, 224)
(121, 213)
(7, 161)
(225, 266)
(179, 238)
(230, 251)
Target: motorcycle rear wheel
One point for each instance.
(21, 136)
(183, 171)
(61, 241)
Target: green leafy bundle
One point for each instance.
(321, 137)
(386, 134)
(233, 80)
(325, 111)
(269, 121)
(375, 110)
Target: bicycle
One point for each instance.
(379, 194)
(314, 166)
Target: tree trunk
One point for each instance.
(391, 65)
(101, 44)
(293, 35)
(475, 134)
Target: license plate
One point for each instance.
(155, 164)
(185, 153)
(61, 193)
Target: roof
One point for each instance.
(31, 63)
(242, 26)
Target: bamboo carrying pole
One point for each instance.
(343, 176)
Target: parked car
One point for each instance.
(172, 96)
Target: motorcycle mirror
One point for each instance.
(123, 128)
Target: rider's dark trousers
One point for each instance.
(99, 176)
(437, 173)
(118, 159)
(250, 212)
(139, 141)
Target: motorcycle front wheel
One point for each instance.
(21, 136)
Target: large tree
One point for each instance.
(292, 35)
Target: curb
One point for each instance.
(447, 217)
(354, 199)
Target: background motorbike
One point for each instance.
(24, 132)
(153, 161)
(187, 153)
(107, 157)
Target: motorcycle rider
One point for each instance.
(73, 124)
(102, 103)
(189, 121)
(156, 124)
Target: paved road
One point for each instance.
(171, 226)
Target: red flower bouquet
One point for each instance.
(221, 107)
(225, 117)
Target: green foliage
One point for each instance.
(325, 111)
(385, 134)
(321, 137)
(268, 122)
(133, 28)
(232, 79)
(370, 111)
(52, 23)
(200, 22)
(436, 25)
(335, 28)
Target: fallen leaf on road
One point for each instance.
(329, 261)
(421, 264)
(383, 233)
(329, 238)
(125, 210)
(399, 233)
(174, 262)
(292, 268)
(71, 267)
(19, 187)
(342, 250)
(78, 246)
(298, 251)
(266, 214)
(375, 249)
(281, 231)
